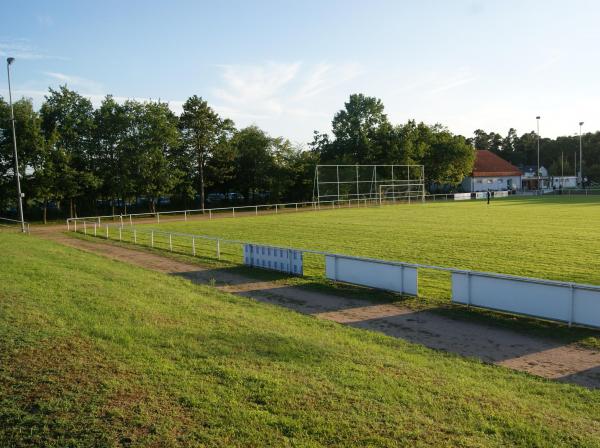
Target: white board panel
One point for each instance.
(500, 194)
(516, 296)
(586, 307)
(380, 275)
(274, 258)
(481, 195)
(462, 196)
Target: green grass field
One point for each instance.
(551, 238)
(95, 352)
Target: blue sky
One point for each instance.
(288, 66)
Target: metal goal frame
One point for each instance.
(362, 182)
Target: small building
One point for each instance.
(492, 172)
(531, 181)
(564, 182)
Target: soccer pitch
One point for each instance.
(552, 237)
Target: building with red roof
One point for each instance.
(491, 172)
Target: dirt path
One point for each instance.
(542, 357)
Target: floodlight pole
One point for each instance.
(12, 119)
(580, 155)
(538, 152)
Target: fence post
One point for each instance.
(94, 229)
(193, 246)
(256, 210)
(157, 217)
(572, 311)
(121, 220)
(210, 214)
(68, 226)
(296, 206)
(84, 228)
(134, 236)
(468, 288)
(107, 232)
(75, 223)
(218, 249)
(233, 211)
(170, 242)
(185, 215)
(130, 220)
(152, 238)
(120, 233)
(275, 208)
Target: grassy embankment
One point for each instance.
(100, 353)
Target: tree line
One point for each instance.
(136, 156)
(558, 155)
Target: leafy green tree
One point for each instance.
(254, 160)
(448, 159)
(30, 142)
(70, 118)
(153, 137)
(202, 130)
(112, 158)
(358, 129)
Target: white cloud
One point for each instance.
(22, 49)
(45, 20)
(278, 91)
(461, 78)
(76, 82)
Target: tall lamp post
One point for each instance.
(9, 61)
(580, 155)
(538, 152)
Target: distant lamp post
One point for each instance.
(9, 61)
(580, 155)
(538, 152)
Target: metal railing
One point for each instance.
(11, 223)
(249, 210)
(232, 251)
(210, 213)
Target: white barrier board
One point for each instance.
(500, 194)
(575, 304)
(481, 195)
(462, 196)
(274, 258)
(380, 275)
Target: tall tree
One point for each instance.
(254, 160)
(70, 117)
(202, 130)
(152, 139)
(30, 142)
(114, 162)
(357, 129)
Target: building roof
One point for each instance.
(489, 164)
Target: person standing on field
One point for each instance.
(489, 194)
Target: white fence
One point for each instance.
(210, 213)
(462, 196)
(560, 301)
(379, 274)
(274, 258)
(13, 224)
(567, 302)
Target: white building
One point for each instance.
(491, 172)
(564, 182)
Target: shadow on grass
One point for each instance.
(436, 327)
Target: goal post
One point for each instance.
(360, 183)
(401, 192)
